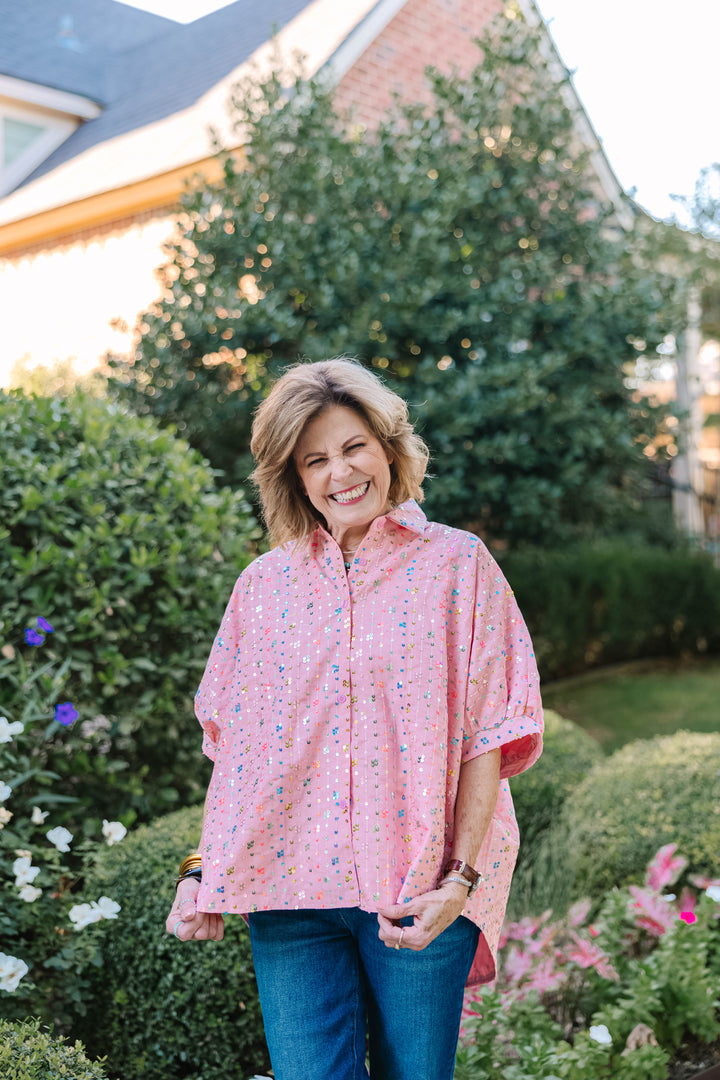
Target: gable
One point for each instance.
(139, 68)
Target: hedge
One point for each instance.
(161, 1009)
(115, 532)
(569, 753)
(539, 794)
(589, 605)
(649, 793)
(27, 1053)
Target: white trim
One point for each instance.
(362, 37)
(57, 129)
(47, 98)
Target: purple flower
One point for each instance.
(33, 638)
(65, 714)
(44, 625)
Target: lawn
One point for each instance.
(636, 701)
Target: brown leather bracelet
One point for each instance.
(473, 878)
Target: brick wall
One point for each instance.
(424, 33)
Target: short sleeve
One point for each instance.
(503, 706)
(214, 698)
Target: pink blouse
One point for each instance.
(338, 708)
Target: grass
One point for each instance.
(637, 701)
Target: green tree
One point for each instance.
(461, 249)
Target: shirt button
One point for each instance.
(341, 700)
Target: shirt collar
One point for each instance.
(410, 516)
(407, 514)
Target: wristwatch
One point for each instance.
(473, 878)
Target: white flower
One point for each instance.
(669, 896)
(5, 816)
(85, 914)
(82, 915)
(38, 815)
(713, 891)
(11, 972)
(601, 1034)
(24, 873)
(60, 837)
(113, 831)
(30, 893)
(5, 792)
(107, 908)
(7, 730)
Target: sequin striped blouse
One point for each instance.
(338, 707)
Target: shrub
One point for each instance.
(116, 532)
(539, 794)
(588, 605)
(649, 793)
(27, 1053)
(613, 997)
(569, 753)
(162, 1009)
(42, 914)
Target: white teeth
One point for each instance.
(354, 493)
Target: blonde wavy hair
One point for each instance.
(300, 395)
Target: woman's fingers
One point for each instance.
(186, 923)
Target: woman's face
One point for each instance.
(344, 471)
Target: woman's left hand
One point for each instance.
(432, 913)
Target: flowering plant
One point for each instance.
(41, 859)
(604, 995)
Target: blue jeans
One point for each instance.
(324, 975)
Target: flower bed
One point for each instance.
(606, 992)
(42, 862)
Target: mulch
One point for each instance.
(696, 1061)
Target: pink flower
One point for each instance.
(579, 912)
(516, 965)
(651, 912)
(688, 917)
(664, 869)
(545, 977)
(586, 954)
(700, 881)
(526, 928)
(687, 901)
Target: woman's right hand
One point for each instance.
(185, 922)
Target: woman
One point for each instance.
(370, 689)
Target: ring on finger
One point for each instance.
(187, 900)
(399, 940)
(175, 928)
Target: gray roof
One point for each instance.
(139, 67)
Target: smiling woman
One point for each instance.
(370, 689)
(345, 473)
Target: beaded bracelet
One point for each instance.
(460, 881)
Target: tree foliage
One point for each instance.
(461, 249)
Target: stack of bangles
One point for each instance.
(191, 867)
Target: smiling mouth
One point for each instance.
(352, 494)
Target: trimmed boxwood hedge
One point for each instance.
(163, 1009)
(27, 1053)
(592, 604)
(569, 753)
(539, 795)
(649, 793)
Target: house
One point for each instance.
(105, 114)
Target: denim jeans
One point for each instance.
(325, 978)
